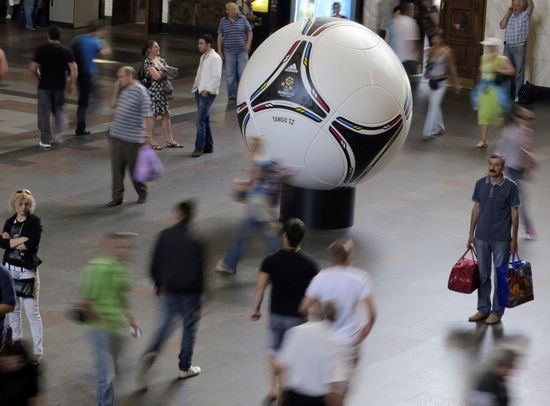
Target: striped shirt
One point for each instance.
(234, 34)
(517, 28)
(133, 106)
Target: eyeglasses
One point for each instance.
(20, 191)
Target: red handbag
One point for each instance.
(464, 277)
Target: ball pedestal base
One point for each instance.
(319, 209)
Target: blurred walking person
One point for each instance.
(289, 271)
(407, 39)
(177, 270)
(49, 64)
(85, 48)
(103, 293)
(18, 377)
(516, 140)
(7, 305)
(20, 238)
(440, 63)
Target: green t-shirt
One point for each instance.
(104, 284)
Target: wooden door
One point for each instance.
(122, 12)
(463, 22)
(153, 16)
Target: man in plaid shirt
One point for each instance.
(516, 23)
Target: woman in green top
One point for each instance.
(490, 112)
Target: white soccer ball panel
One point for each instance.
(370, 105)
(288, 135)
(350, 36)
(389, 72)
(325, 161)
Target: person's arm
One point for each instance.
(507, 68)
(261, 283)
(515, 225)
(116, 92)
(5, 308)
(33, 67)
(3, 64)
(387, 36)
(220, 45)
(105, 49)
(73, 69)
(473, 223)
(248, 44)
(306, 303)
(33, 232)
(155, 74)
(369, 303)
(504, 21)
(19, 243)
(530, 7)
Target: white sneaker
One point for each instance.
(44, 145)
(192, 371)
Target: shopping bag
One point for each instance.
(148, 165)
(515, 283)
(464, 277)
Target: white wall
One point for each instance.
(537, 68)
(165, 11)
(108, 8)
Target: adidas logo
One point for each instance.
(292, 68)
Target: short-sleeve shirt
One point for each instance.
(290, 273)
(407, 34)
(312, 358)
(53, 60)
(7, 294)
(234, 34)
(496, 201)
(104, 284)
(133, 105)
(346, 287)
(517, 28)
(88, 46)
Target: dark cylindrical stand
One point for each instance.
(320, 209)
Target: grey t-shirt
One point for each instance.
(495, 215)
(133, 105)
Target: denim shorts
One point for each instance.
(278, 326)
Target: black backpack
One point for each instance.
(142, 76)
(527, 93)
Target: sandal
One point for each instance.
(481, 144)
(156, 147)
(173, 145)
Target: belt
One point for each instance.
(521, 44)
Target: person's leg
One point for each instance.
(167, 127)
(190, 306)
(104, 366)
(202, 112)
(15, 321)
(484, 133)
(510, 80)
(242, 60)
(170, 312)
(29, 13)
(501, 255)
(44, 110)
(131, 150)
(519, 64)
(57, 108)
(84, 91)
(209, 140)
(35, 320)
(517, 176)
(231, 74)
(429, 121)
(118, 167)
(234, 254)
(483, 251)
(438, 124)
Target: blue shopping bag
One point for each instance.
(515, 283)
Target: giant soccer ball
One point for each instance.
(331, 98)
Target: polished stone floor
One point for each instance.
(411, 225)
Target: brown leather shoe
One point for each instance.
(492, 319)
(196, 153)
(477, 317)
(114, 202)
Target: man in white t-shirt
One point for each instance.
(407, 38)
(311, 361)
(348, 288)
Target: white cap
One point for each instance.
(492, 41)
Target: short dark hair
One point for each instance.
(207, 38)
(495, 155)
(294, 229)
(146, 47)
(405, 7)
(130, 71)
(186, 209)
(53, 33)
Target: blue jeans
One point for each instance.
(516, 55)
(86, 88)
(204, 141)
(247, 226)
(434, 117)
(499, 252)
(234, 66)
(29, 13)
(106, 347)
(278, 326)
(185, 306)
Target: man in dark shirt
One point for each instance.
(494, 215)
(7, 301)
(290, 271)
(177, 270)
(49, 65)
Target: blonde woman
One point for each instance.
(20, 239)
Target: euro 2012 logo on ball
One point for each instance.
(331, 98)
